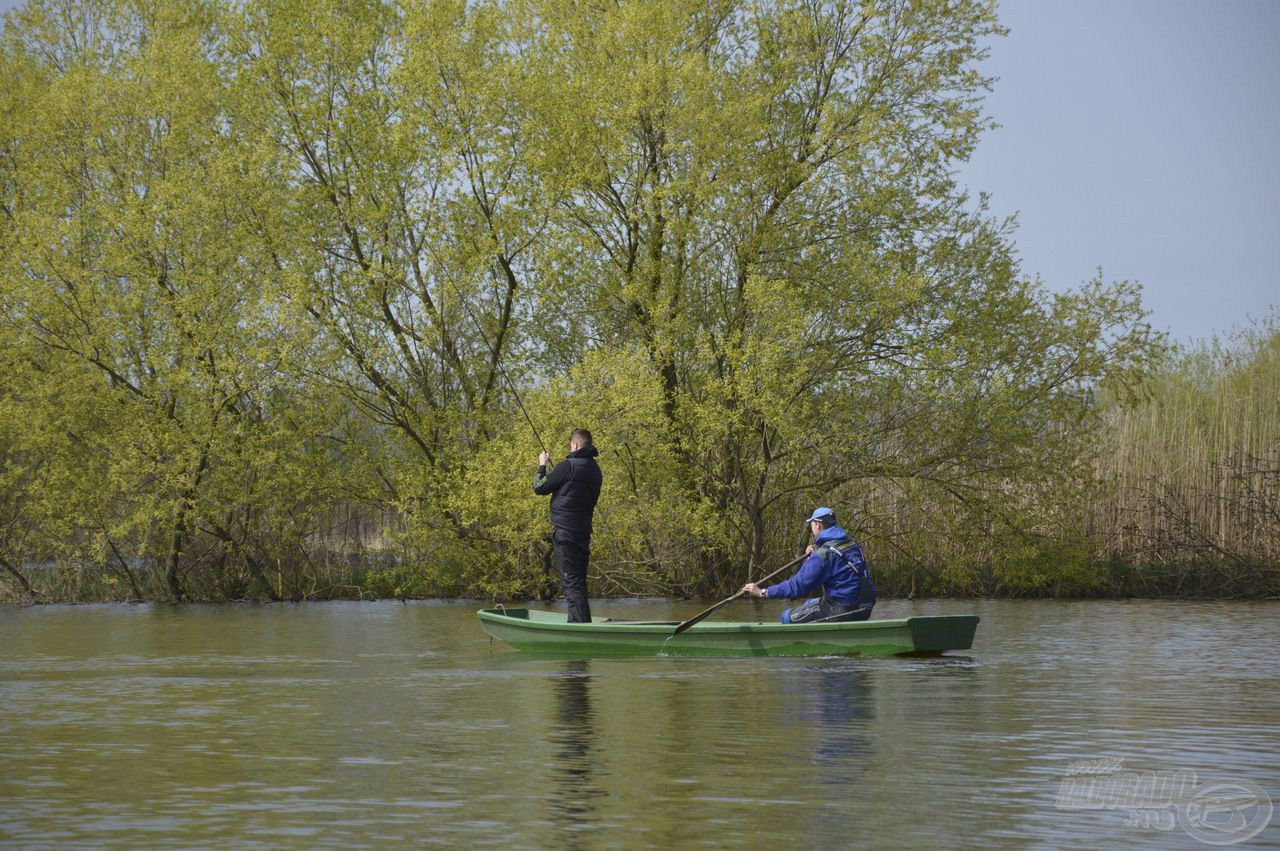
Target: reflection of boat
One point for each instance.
(548, 632)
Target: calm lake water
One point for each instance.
(388, 724)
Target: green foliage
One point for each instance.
(153, 383)
(273, 274)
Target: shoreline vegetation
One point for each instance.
(276, 278)
(1203, 524)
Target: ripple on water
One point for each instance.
(401, 724)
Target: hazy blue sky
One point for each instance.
(1142, 136)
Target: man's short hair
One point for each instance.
(582, 436)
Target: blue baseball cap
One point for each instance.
(823, 514)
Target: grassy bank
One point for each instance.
(1212, 580)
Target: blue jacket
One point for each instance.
(845, 583)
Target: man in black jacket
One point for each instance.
(574, 485)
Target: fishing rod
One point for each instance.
(498, 363)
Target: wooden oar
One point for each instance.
(702, 614)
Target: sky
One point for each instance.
(1142, 137)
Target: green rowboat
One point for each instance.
(548, 632)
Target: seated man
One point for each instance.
(836, 565)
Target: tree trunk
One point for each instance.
(172, 579)
(124, 567)
(18, 577)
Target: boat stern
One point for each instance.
(931, 635)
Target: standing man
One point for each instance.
(836, 565)
(574, 485)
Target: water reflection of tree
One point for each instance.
(574, 793)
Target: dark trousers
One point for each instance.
(825, 609)
(573, 553)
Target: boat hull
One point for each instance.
(548, 632)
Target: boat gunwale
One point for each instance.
(604, 626)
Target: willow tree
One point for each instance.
(150, 384)
(760, 200)
(407, 207)
(314, 240)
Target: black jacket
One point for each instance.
(574, 485)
